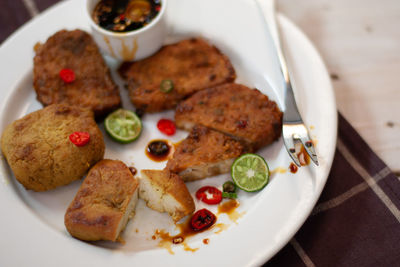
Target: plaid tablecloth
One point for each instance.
(357, 219)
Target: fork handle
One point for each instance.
(291, 113)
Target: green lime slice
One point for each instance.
(250, 172)
(123, 126)
(166, 86)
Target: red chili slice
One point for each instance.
(202, 219)
(214, 195)
(79, 138)
(67, 75)
(166, 126)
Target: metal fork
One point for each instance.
(293, 128)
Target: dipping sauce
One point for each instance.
(303, 156)
(293, 168)
(185, 231)
(125, 15)
(159, 150)
(166, 240)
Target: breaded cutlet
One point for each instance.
(234, 109)
(165, 191)
(104, 203)
(204, 153)
(93, 86)
(192, 65)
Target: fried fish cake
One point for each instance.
(39, 152)
(204, 153)
(234, 109)
(104, 203)
(165, 191)
(192, 65)
(93, 86)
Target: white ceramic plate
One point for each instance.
(32, 230)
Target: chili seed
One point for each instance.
(177, 240)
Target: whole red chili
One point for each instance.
(67, 75)
(202, 219)
(209, 195)
(79, 138)
(166, 126)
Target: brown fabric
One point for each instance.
(12, 15)
(359, 231)
(42, 4)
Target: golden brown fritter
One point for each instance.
(38, 149)
(192, 65)
(234, 109)
(165, 191)
(104, 202)
(93, 86)
(204, 153)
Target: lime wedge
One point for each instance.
(123, 126)
(250, 172)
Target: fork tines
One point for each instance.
(298, 133)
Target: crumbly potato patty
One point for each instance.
(39, 152)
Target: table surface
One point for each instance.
(359, 41)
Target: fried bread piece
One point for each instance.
(234, 109)
(39, 152)
(191, 65)
(93, 86)
(104, 203)
(165, 191)
(204, 153)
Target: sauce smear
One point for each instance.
(229, 208)
(185, 231)
(278, 170)
(304, 158)
(293, 168)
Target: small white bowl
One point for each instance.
(133, 45)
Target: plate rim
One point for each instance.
(282, 19)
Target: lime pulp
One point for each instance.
(166, 86)
(123, 125)
(250, 172)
